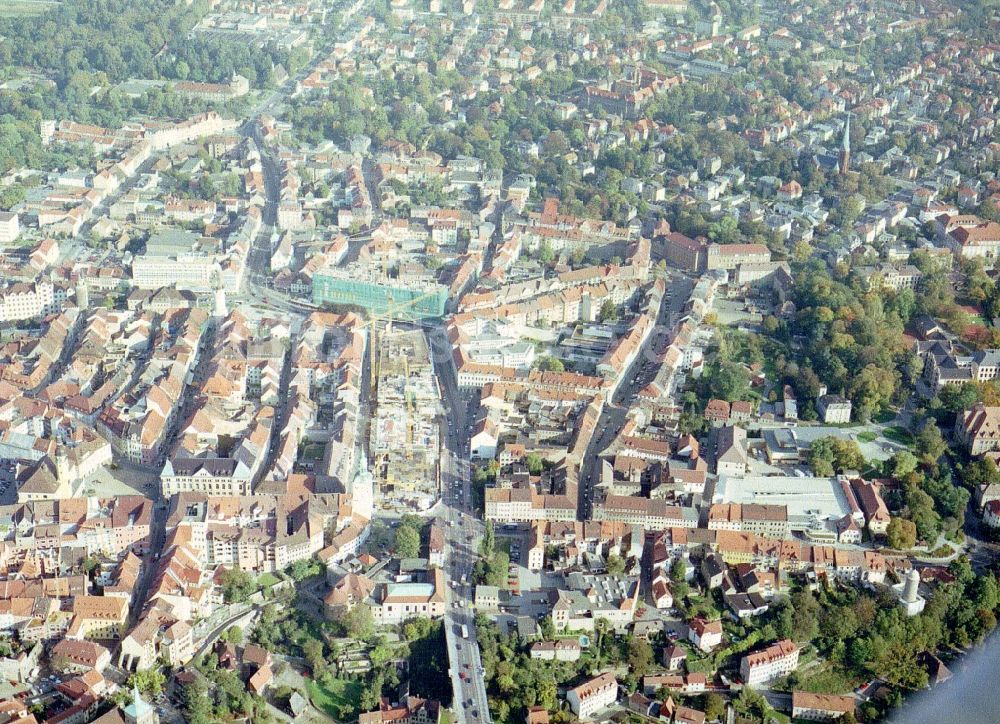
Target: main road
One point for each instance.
(463, 532)
(463, 529)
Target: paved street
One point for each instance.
(463, 532)
(640, 374)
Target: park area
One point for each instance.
(337, 698)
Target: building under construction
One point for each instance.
(405, 435)
(414, 298)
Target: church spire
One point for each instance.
(845, 148)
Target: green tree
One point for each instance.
(830, 454)
(407, 542)
(714, 706)
(312, 651)
(806, 612)
(196, 701)
(896, 661)
(237, 585)
(980, 472)
(640, 657)
(956, 398)
(609, 311)
(901, 534)
(752, 705)
(233, 635)
(534, 463)
(678, 571)
(872, 389)
(359, 622)
(729, 381)
(821, 457)
(90, 564)
(11, 196)
(901, 464)
(547, 627)
(148, 681)
(930, 443)
(548, 363)
(305, 568)
(487, 547)
(615, 564)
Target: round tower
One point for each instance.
(82, 294)
(910, 586)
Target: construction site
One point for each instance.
(406, 424)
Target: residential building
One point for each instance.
(978, 429)
(78, 657)
(685, 253)
(731, 451)
(778, 659)
(10, 227)
(24, 300)
(210, 475)
(412, 710)
(821, 707)
(876, 512)
(730, 256)
(98, 617)
(487, 598)
(558, 650)
(834, 409)
(593, 695)
(706, 635)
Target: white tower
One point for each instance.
(221, 309)
(910, 586)
(909, 595)
(82, 294)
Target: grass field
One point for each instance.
(339, 700)
(885, 416)
(867, 436)
(266, 580)
(828, 681)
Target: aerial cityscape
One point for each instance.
(499, 361)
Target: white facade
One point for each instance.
(777, 660)
(10, 227)
(26, 301)
(592, 696)
(186, 271)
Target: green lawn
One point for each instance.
(899, 434)
(339, 700)
(266, 580)
(312, 451)
(867, 436)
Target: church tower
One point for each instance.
(844, 162)
(138, 711)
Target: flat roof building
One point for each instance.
(807, 499)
